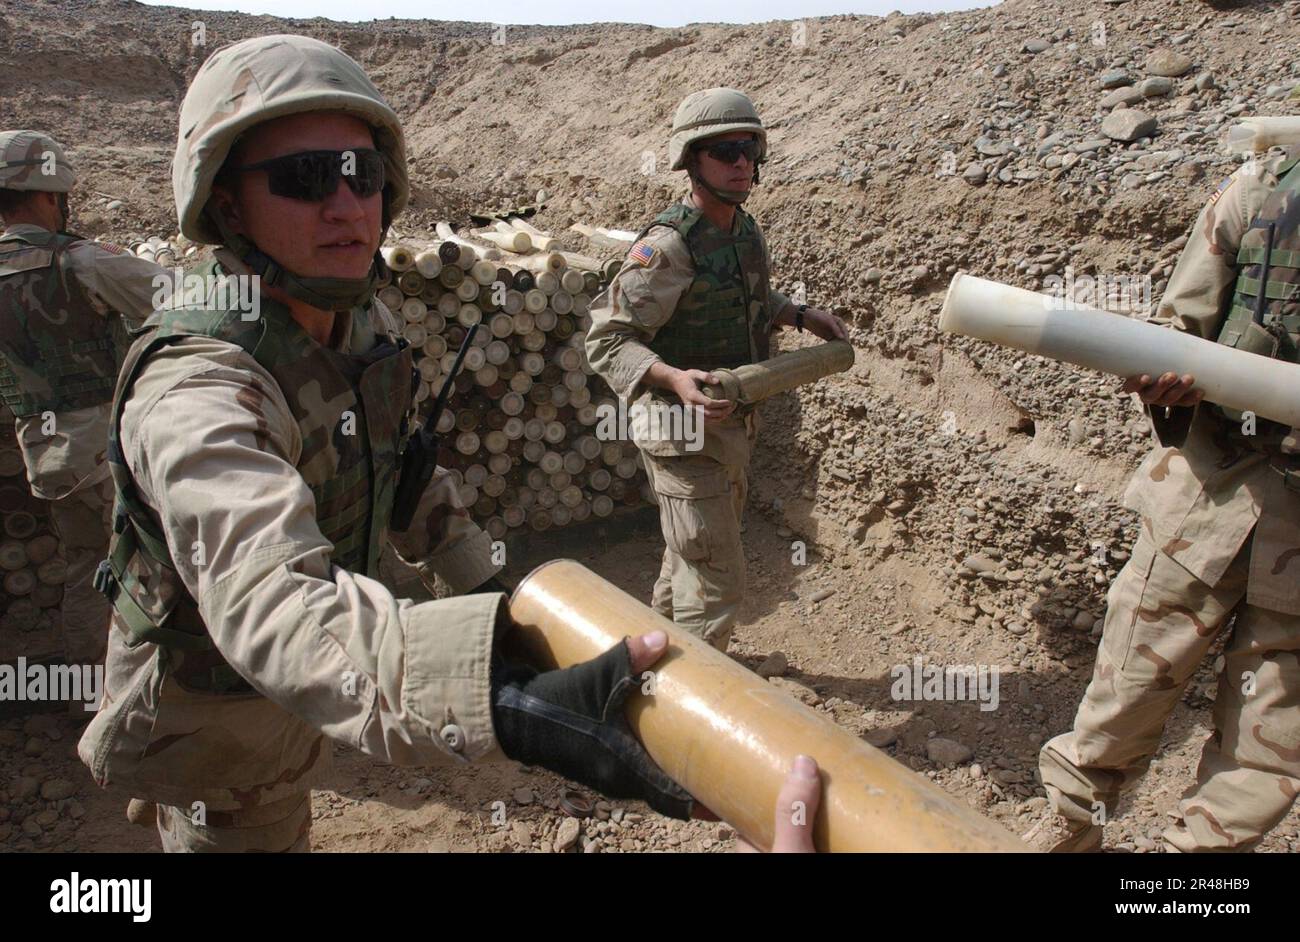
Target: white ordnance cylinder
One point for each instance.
(1256, 135)
(1112, 343)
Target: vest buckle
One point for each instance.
(104, 580)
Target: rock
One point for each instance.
(774, 665)
(873, 277)
(880, 738)
(976, 771)
(521, 835)
(1084, 620)
(975, 174)
(1116, 78)
(1035, 46)
(34, 747)
(978, 562)
(58, 789)
(1078, 431)
(567, 835)
(1120, 96)
(1168, 63)
(821, 595)
(25, 788)
(797, 690)
(1156, 87)
(524, 796)
(114, 204)
(1205, 81)
(1129, 124)
(947, 751)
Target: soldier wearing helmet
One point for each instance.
(694, 295)
(255, 454)
(63, 303)
(1217, 557)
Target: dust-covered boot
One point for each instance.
(1054, 834)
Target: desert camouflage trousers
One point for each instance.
(281, 827)
(1160, 623)
(702, 579)
(83, 522)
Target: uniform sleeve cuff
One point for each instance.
(447, 681)
(463, 566)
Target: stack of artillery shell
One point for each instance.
(519, 431)
(32, 569)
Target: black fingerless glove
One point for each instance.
(572, 722)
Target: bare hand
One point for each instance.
(644, 650)
(825, 325)
(1168, 390)
(798, 800)
(685, 386)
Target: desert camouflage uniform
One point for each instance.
(214, 450)
(701, 494)
(1220, 533)
(102, 286)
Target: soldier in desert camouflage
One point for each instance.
(254, 457)
(1219, 504)
(694, 295)
(63, 304)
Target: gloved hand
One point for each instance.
(572, 722)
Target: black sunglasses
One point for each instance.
(312, 175)
(728, 152)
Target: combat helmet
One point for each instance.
(247, 83)
(30, 160)
(709, 113)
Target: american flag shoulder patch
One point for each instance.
(641, 253)
(1220, 191)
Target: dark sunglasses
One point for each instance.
(312, 175)
(729, 151)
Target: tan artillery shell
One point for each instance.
(534, 302)
(19, 582)
(411, 282)
(13, 555)
(414, 311)
(398, 257)
(428, 263)
(19, 525)
(501, 325)
(729, 737)
(54, 571)
(562, 302)
(415, 334)
(41, 548)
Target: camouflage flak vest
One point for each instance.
(724, 319)
(57, 352)
(352, 413)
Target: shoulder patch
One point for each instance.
(642, 253)
(1223, 187)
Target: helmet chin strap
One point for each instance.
(731, 197)
(326, 294)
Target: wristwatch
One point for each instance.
(798, 316)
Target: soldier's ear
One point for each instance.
(225, 205)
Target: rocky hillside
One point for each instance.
(1021, 143)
